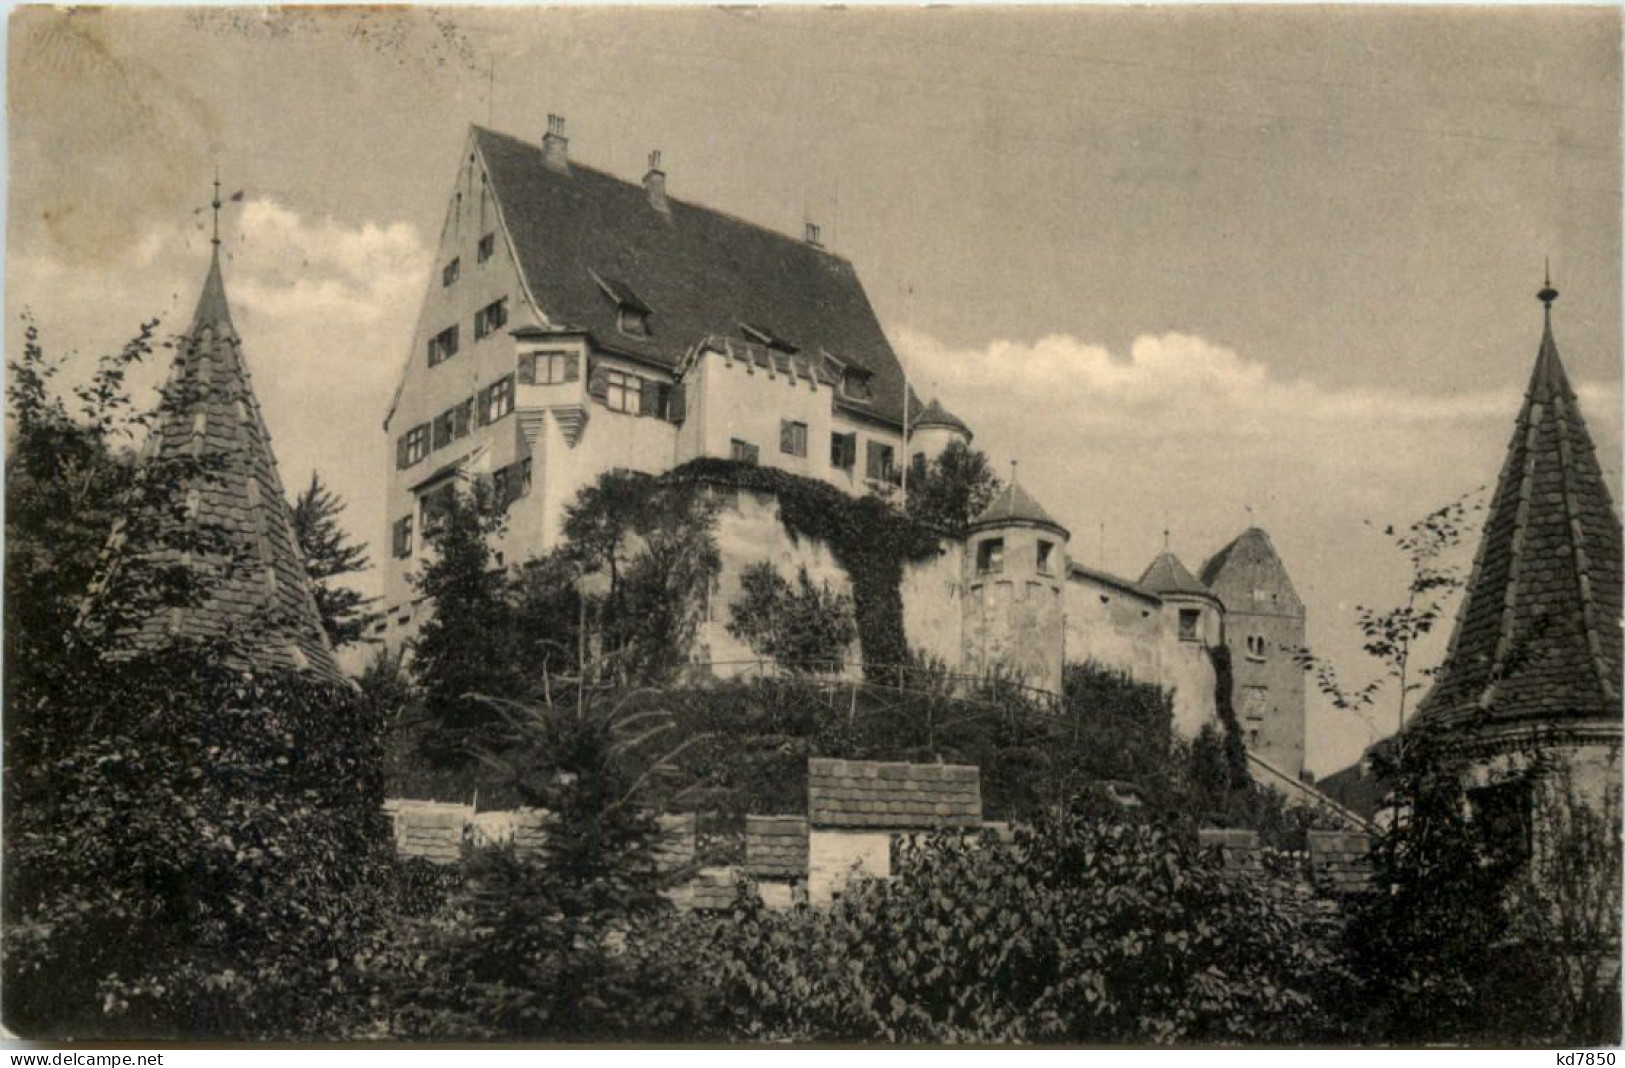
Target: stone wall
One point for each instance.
(1113, 625)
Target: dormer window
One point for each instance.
(857, 384)
(632, 321)
(631, 313)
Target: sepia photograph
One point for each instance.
(985, 526)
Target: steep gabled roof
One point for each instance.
(1538, 633)
(1167, 575)
(259, 588)
(701, 272)
(1014, 505)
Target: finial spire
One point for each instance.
(215, 240)
(1547, 294)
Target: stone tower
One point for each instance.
(1534, 661)
(1015, 569)
(1264, 623)
(258, 591)
(1193, 624)
(932, 430)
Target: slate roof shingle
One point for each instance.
(861, 793)
(702, 272)
(776, 846)
(1537, 637)
(1166, 574)
(261, 590)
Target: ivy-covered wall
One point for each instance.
(871, 541)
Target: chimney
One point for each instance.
(813, 236)
(654, 183)
(555, 146)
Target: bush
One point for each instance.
(1078, 931)
(805, 628)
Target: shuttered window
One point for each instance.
(880, 462)
(491, 318)
(488, 247)
(792, 437)
(549, 368)
(443, 346)
(623, 392)
(413, 446)
(743, 451)
(402, 538)
(843, 451)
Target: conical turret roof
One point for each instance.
(934, 414)
(1166, 574)
(1014, 505)
(258, 589)
(1538, 634)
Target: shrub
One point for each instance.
(805, 628)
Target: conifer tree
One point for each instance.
(329, 554)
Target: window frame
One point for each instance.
(416, 445)
(496, 400)
(486, 248)
(888, 465)
(623, 384)
(990, 556)
(568, 365)
(401, 534)
(444, 345)
(793, 437)
(451, 272)
(742, 451)
(1044, 558)
(490, 319)
(1193, 632)
(843, 450)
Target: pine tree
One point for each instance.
(329, 553)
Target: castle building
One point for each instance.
(576, 323)
(1264, 627)
(258, 591)
(1534, 661)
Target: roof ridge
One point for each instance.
(693, 205)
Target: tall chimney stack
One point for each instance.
(654, 183)
(555, 146)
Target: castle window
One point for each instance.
(510, 483)
(449, 273)
(452, 423)
(916, 465)
(1190, 622)
(1046, 553)
(443, 346)
(1503, 815)
(488, 247)
(623, 392)
(856, 384)
(434, 505)
(792, 437)
(549, 368)
(402, 537)
(1255, 646)
(990, 557)
(496, 400)
(491, 318)
(843, 451)
(743, 451)
(412, 446)
(880, 462)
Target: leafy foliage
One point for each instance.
(330, 554)
(189, 845)
(803, 627)
(954, 489)
(1075, 931)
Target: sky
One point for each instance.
(1195, 268)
